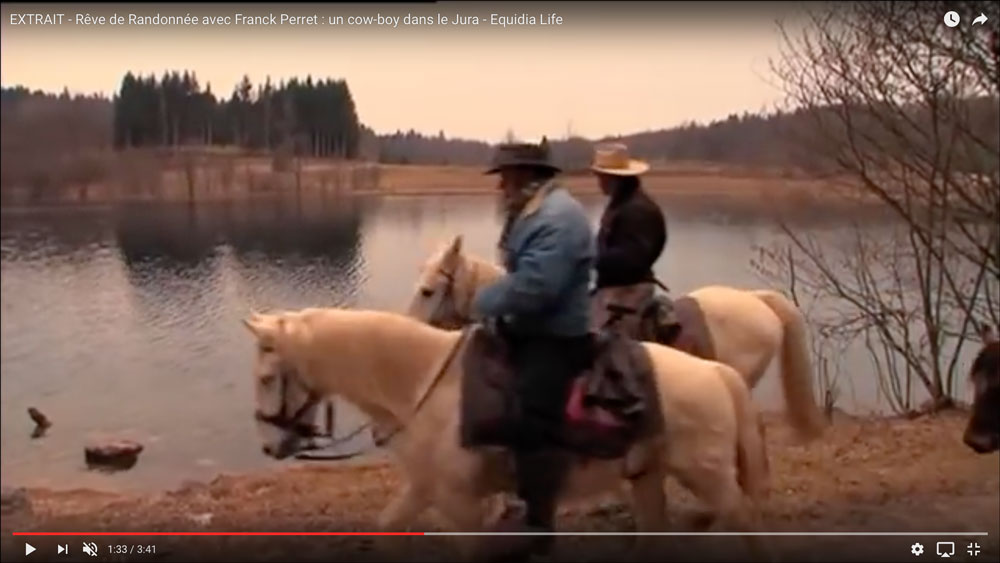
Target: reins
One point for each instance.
(446, 314)
(430, 386)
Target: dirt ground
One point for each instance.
(887, 475)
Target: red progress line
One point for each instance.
(218, 533)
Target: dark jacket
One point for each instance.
(631, 238)
(549, 253)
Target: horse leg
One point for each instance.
(464, 511)
(649, 503)
(719, 489)
(403, 510)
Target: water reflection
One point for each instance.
(328, 229)
(314, 245)
(67, 235)
(173, 237)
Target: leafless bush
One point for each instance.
(825, 347)
(891, 94)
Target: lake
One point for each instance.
(127, 320)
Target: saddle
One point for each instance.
(610, 406)
(678, 323)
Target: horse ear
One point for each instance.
(253, 325)
(264, 325)
(456, 246)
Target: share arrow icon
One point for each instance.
(980, 19)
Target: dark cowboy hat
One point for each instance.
(522, 154)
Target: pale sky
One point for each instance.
(609, 68)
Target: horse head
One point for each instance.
(285, 404)
(982, 433)
(446, 286)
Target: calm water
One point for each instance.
(127, 321)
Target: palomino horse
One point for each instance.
(403, 373)
(982, 433)
(747, 327)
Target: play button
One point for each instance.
(28, 548)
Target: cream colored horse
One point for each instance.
(748, 327)
(398, 371)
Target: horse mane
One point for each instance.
(483, 264)
(361, 319)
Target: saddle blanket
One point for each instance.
(610, 406)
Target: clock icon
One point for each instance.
(951, 19)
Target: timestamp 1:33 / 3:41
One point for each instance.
(130, 549)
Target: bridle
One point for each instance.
(445, 314)
(293, 423)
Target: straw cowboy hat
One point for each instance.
(613, 158)
(522, 154)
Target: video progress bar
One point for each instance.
(695, 534)
(578, 534)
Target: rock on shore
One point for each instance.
(113, 454)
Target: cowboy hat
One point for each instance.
(522, 154)
(613, 158)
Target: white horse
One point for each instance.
(407, 374)
(747, 327)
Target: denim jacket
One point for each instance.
(549, 254)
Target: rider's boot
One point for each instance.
(540, 478)
(541, 475)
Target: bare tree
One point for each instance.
(906, 111)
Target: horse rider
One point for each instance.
(632, 235)
(542, 304)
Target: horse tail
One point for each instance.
(752, 466)
(796, 369)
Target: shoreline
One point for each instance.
(225, 182)
(873, 460)
(891, 475)
(866, 474)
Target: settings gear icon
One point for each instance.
(917, 549)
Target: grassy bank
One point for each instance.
(219, 175)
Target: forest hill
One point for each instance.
(311, 117)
